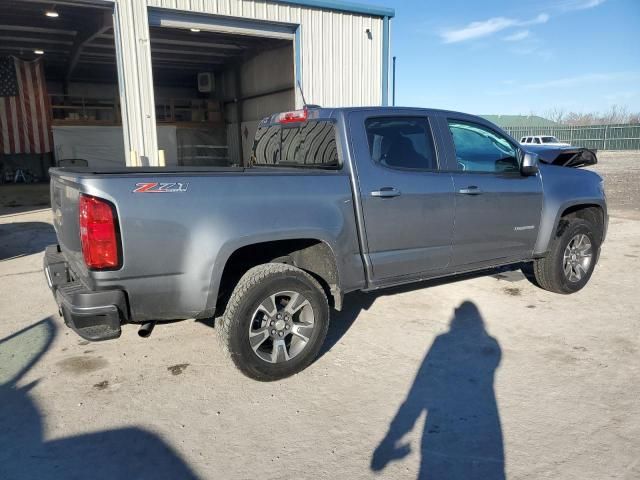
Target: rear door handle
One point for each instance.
(386, 192)
(470, 190)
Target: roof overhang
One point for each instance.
(338, 5)
(350, 7)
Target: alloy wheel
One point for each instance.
(577, 257)
(281, 326)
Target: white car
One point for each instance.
(543, 140)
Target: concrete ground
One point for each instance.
(479, 378)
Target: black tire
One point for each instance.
(258, 284)
(548, 272)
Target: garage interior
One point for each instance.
(214, 88)
(211, 88)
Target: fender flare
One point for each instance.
(227, 249)
(547, 229)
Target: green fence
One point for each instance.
(600, 137)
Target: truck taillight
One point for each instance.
(99, 233)
(294, 116)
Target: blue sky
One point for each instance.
(516, 57)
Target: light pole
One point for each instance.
(393, 95)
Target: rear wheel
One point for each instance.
(275, 322)
(571, 259)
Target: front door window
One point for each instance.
(480, 149)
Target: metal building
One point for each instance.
(191, 78)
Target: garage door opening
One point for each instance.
(59, 103)
(212, 88)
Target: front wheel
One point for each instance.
(275, 322)
(571, 259)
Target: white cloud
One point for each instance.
(477, 30)
(568, 5)
(581, 80)
(488, 27)
(516, 37)
(602, 79)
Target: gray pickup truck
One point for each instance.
(335, 200)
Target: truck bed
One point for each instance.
(175, 242)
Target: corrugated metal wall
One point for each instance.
(601, 137)
(341, 64)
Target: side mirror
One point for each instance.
(529, 164)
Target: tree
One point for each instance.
(556, 114)
(616, 114)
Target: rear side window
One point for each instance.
(310, 144)
(401, 142)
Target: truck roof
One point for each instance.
(328, 113)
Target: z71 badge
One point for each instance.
(156, 187)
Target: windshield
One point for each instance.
(549, 140)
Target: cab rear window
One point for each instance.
(309, 144)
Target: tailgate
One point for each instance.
(65, 193)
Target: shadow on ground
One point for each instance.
(25, 454)
(462, 437)
(354, 303)
(25, 238)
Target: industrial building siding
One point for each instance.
(340, 65)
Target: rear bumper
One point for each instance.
(94, 315)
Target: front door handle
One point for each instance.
(386, 192)
(470, 190)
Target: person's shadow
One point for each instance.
(462, 437)
(127, 452)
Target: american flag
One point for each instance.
(25, 118)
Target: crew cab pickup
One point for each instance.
(333, 201)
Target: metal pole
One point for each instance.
(238, 92)
(393, 95)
